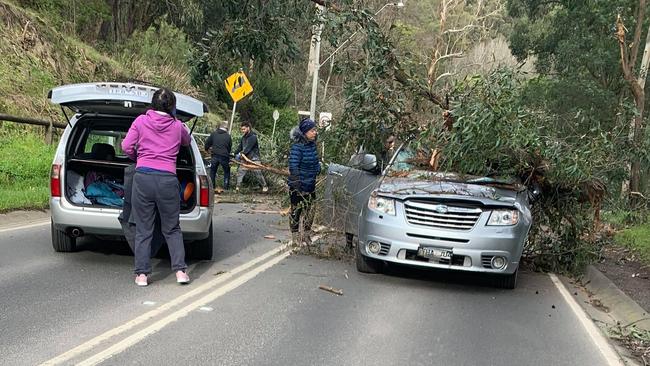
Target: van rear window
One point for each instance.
(103, 139)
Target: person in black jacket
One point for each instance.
(249, 147)
(304, 167)
(219, 145)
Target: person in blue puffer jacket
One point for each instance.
(303, 169)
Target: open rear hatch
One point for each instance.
(123, 99)
(95, 164)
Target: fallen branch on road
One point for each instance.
(253, 165)
(331, 289)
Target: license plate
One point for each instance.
(435, 253)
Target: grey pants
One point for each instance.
(241, 173)
(157, 193)
(128, 221)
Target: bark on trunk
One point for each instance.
(637, 86)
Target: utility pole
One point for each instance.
(314, 52)
(314, 61)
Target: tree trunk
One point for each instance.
(637, 86)
(635, 169)
(115, 19)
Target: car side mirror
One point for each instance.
(365, 162)
(368, 163)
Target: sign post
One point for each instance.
(324, 122)
(276, 117)
(232, 117)
(239, 88)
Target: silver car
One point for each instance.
(90, 151)
(416, 217)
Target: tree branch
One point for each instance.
(469, 26)
(640, 15)
(645, 62)
(620, 35)
(447, 74)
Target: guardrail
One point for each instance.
(49, 125)
(31, 121)
(200, 137)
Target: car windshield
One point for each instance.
(415, 164)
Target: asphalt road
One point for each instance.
(255, 306)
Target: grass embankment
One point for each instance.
(633, 231)
(638, 239)
(25, 163)
(37, 56)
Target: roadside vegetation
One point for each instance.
(637, 238)
(25, 163)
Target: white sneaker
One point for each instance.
(182, 277)
(141, 280)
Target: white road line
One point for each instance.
(27, 226)
(89, 345)
(597, 337)
(157, 326)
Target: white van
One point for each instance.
(90, 153)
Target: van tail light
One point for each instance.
(204, 195)
(55, 181)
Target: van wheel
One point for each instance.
(365, 264)
(62, 242)
(507, 281)
(202, 249)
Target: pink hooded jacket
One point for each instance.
(157, 139)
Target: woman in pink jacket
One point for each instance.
(153, 141)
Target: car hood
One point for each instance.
(405, 188)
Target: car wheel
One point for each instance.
(507, 281)
(202, 249)
(365, 264)
(62, 242)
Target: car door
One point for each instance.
(348, 189)
(338, 193)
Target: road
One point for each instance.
(256, 305)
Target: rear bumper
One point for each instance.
(195, 225)
(400, 242)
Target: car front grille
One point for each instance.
(441, 215)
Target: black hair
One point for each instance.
(164, 100)
(246, 124)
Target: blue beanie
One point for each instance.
(306, 125)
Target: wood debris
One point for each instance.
(254, 165)
(333, 290)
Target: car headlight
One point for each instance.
(382, 204)
(503, 218)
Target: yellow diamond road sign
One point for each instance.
(238, 86)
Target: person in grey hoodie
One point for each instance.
(249, 147)
(153, 141)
